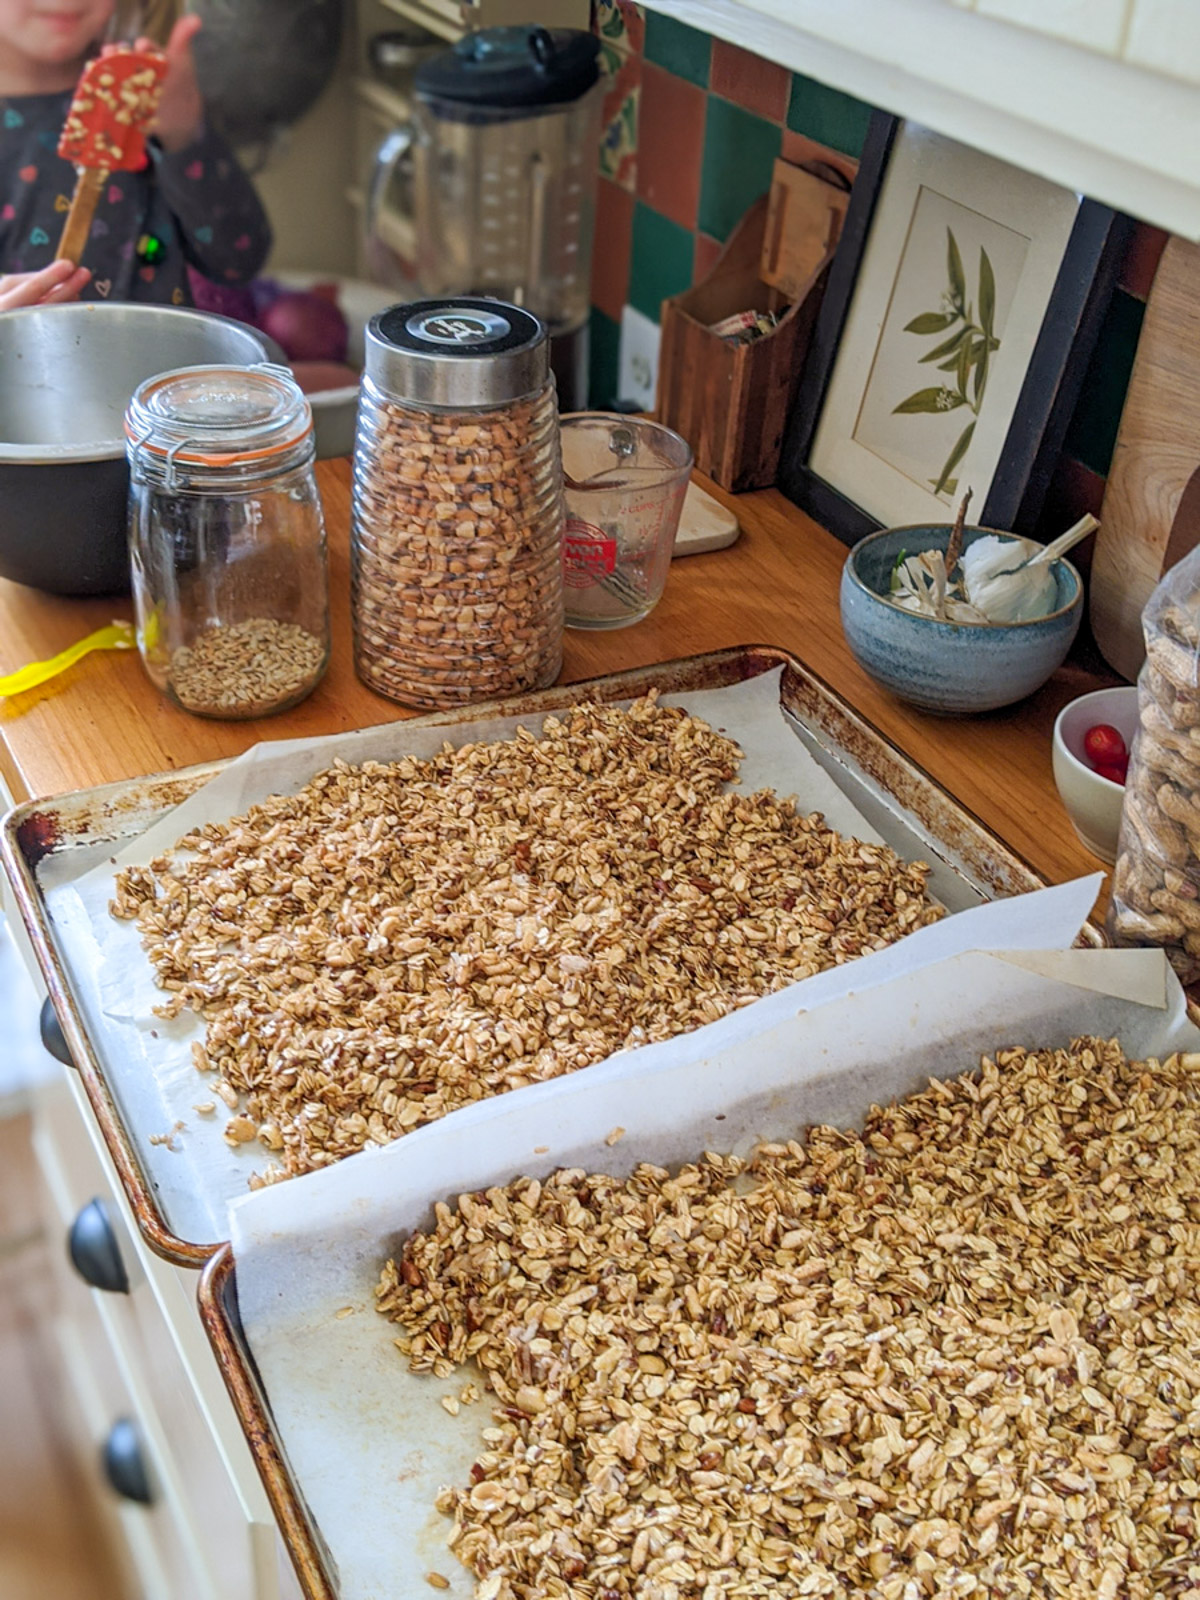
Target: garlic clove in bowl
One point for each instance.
(1000, 586)
(1010, 580)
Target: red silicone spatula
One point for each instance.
(115, 102)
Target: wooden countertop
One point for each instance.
(777, 585)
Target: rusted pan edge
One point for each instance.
(118, 811)
(30, 833)
(217, 1298)
(991, 864)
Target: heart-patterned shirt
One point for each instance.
(195, 207)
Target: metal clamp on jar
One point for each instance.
(227, 539)
(457, 566)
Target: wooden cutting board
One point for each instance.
(1150, 517)
(704, 524)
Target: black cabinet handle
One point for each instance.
(125, 1463)
(52, 1034)
(95, 1253)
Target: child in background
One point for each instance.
(191, 204)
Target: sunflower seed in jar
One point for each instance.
(246, 669)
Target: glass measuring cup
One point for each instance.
(624, 481)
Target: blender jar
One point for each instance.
(506, 131)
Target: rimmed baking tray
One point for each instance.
(217, 1299)
(353, 1448)
(908, 809)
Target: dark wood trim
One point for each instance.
(797, 481)
(827, 505)
(1054, 378)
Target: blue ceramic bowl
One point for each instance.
(952, 668)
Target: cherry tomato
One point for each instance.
(1114, 774)
(1104, 746)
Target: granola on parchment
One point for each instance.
(396, 941)
(956, 1354)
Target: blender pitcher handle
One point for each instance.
(393, 156)
(541, 46)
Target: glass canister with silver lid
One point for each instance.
(227, 539)
(457, 564)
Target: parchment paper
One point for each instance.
(369, 1444)
(148, 1061)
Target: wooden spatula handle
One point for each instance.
(88, 188)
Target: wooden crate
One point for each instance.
(730, 401)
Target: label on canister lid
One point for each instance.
(589, 554)
(458, 325)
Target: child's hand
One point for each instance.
(53, 285)
(181, 110)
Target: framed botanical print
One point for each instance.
(961, 310)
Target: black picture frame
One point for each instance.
(1053, 379)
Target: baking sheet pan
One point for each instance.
(140, 1080)
(353, 1446)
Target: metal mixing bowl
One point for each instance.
(66, 376)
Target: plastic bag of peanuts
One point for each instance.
(1156, 882)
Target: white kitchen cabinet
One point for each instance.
(1164, 35)
(1102, 96)
(1095, 24)
(143, 1357)
(305, 183)
(452, 18)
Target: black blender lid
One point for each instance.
(512, 67)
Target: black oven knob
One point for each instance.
(125, 1463)
(95, 1253)
(52, 1034)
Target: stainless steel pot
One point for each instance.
(66, 376)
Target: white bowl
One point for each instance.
(1093, 803)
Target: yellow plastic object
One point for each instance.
(117, 636)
